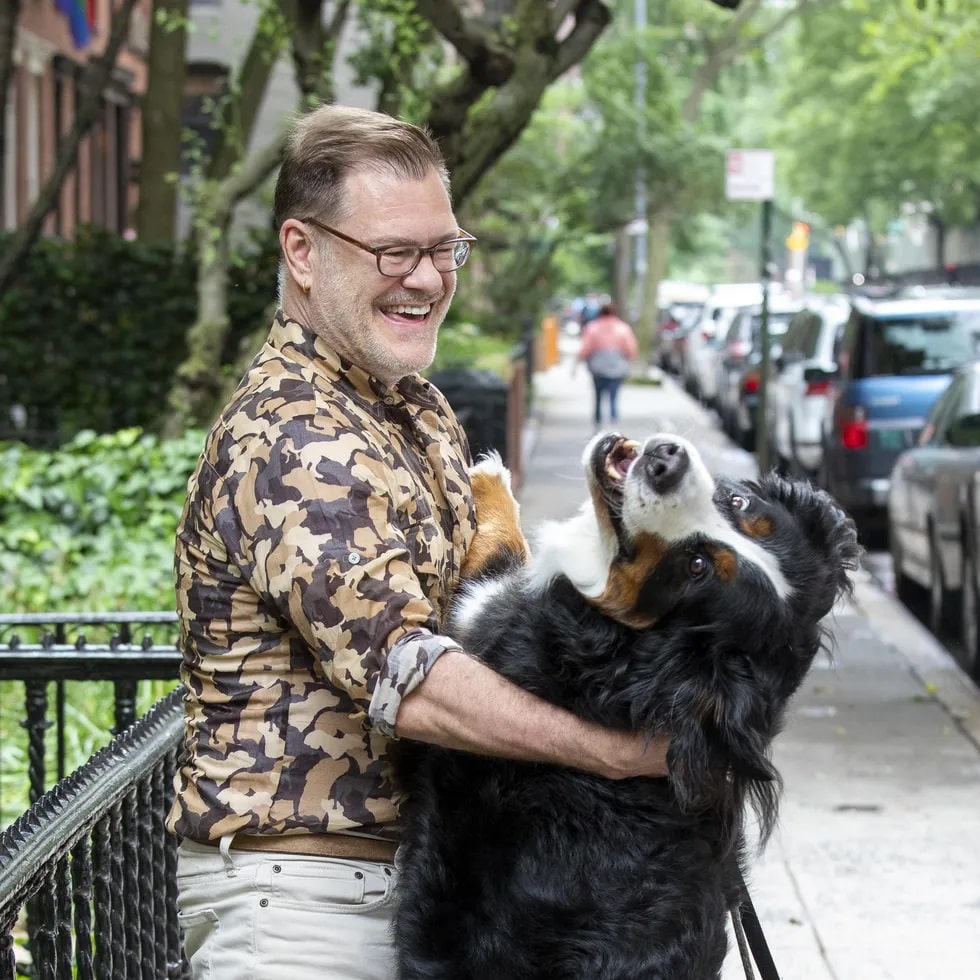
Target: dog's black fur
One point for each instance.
(518, 871)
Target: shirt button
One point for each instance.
(389, 399)
(354, 558)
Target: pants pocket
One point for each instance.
(196, 928)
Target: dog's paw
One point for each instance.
(490, 465)
(499, 538)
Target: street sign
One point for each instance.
(750, 175)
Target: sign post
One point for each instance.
(750, 176)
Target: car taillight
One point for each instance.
(750, 383)
(854, 429)
(818, 388)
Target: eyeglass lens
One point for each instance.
(399, 260)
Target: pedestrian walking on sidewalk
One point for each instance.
(608, 346)
(322, 536)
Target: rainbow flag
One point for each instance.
(81, 20)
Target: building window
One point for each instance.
(205, 84)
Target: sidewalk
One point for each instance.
(874, 871)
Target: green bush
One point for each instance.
(92, 331)
(91, 526)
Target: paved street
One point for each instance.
(874, 871)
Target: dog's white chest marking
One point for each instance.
(471, 599)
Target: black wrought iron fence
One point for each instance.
(44, 649)
(88, 873)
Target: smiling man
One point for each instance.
(320, 543)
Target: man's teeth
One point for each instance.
(410, 310)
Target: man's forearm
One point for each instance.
(463, 704)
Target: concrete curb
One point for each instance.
(932, 665)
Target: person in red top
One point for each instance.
(608, 346)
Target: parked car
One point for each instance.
(698, 369)
(800, 384)
(970, 602)
(675, 323)
(739, 363)
(928, 500)
(895, 358)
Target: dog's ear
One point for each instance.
(832, 536)
(711, 770)
(499, 540)
(833, 530)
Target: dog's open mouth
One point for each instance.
(612, 458)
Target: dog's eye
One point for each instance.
(739, 502)
(697, 566)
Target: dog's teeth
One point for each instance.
(613, 473)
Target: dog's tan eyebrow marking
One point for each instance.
(619, 598)
(757, 527)
(725, 562)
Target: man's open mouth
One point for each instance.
(409, 311)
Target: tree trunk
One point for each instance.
(939, 226)
(93, 81)
(9, 16)
(198, 389)
(162, 103)
(660, 223)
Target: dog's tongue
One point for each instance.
(621, 458)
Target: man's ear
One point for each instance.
(297, 248)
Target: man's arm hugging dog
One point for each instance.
(671, 604)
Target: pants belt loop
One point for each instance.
(225, 848)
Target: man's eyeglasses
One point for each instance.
(402, 260)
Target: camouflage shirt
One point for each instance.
(322, 535)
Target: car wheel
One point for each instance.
(940, 598)
(823, 471)
(906, 591)
(969, 628)
(796, 468)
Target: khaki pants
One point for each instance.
(249, 915)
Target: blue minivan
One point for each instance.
(894, 358)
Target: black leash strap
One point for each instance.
(748, 932)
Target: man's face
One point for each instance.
(387, 326)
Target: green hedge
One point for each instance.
(92, 331)
(90, 526)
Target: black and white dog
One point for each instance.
(672, 603)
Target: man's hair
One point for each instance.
(325, 145)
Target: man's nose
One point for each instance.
(425, 276)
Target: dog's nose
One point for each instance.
(666, 463)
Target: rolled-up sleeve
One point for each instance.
(405, 667)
